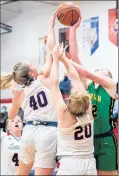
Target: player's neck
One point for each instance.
(16, 133)
(96, 85)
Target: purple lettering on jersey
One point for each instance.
(41, 100)
(78, 135)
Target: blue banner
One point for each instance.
(95, 30)
(91, 34)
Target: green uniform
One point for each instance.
(105, 143)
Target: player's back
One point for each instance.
(10, 147)
(37, 103)
(77, 139)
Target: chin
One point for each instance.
(17, 129)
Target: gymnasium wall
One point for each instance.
(23, 42)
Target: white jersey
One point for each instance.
(10, 147)
(77, 139)
(37, 103)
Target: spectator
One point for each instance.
(4, 109)
(3, 118)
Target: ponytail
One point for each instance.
(20, 75)
(6, 81)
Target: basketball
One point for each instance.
(68, 14)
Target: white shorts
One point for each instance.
(38, 145)
(76, 166)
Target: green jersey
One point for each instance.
(102, 109)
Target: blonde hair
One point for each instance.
(7, 121)
(20, 75)
(109, 73)
(78, 103)
(105, 69)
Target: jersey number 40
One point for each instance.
(40, 101)
(82, 132)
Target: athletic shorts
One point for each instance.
(71, 165)
(38, 145)
(106, 153)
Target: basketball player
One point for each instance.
(75, 122)
(10, 146)
(103, 93)
(38, 144)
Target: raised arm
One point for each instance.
(17, 101)
(104, 81)
(57, 98)
(45, 70)
(73, 74)
(73, 42)
(74, 48)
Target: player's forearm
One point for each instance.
(51, 41)
(55, 73)
(49, 46)
(102, 80)
(13, 112)
(70, 69)
(73, 45)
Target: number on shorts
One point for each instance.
(15, 159)
(83, 132)
(94, 110)
(41, 100)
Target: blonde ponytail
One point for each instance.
(20, 75)
(6, 81)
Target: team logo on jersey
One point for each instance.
(14, 147)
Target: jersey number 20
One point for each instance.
(15, 159)
(82, 132)
(40, 101)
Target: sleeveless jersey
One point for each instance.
(77, 139)
(10, 147)
(37, 103)
(102, 109)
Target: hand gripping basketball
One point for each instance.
(68, 13)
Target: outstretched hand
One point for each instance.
(76, 25)
(52, 20)
(58, 52)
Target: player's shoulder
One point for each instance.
(34, 83)
(111, 92)
(30, 89)
(89, 84)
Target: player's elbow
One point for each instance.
(44, 73)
